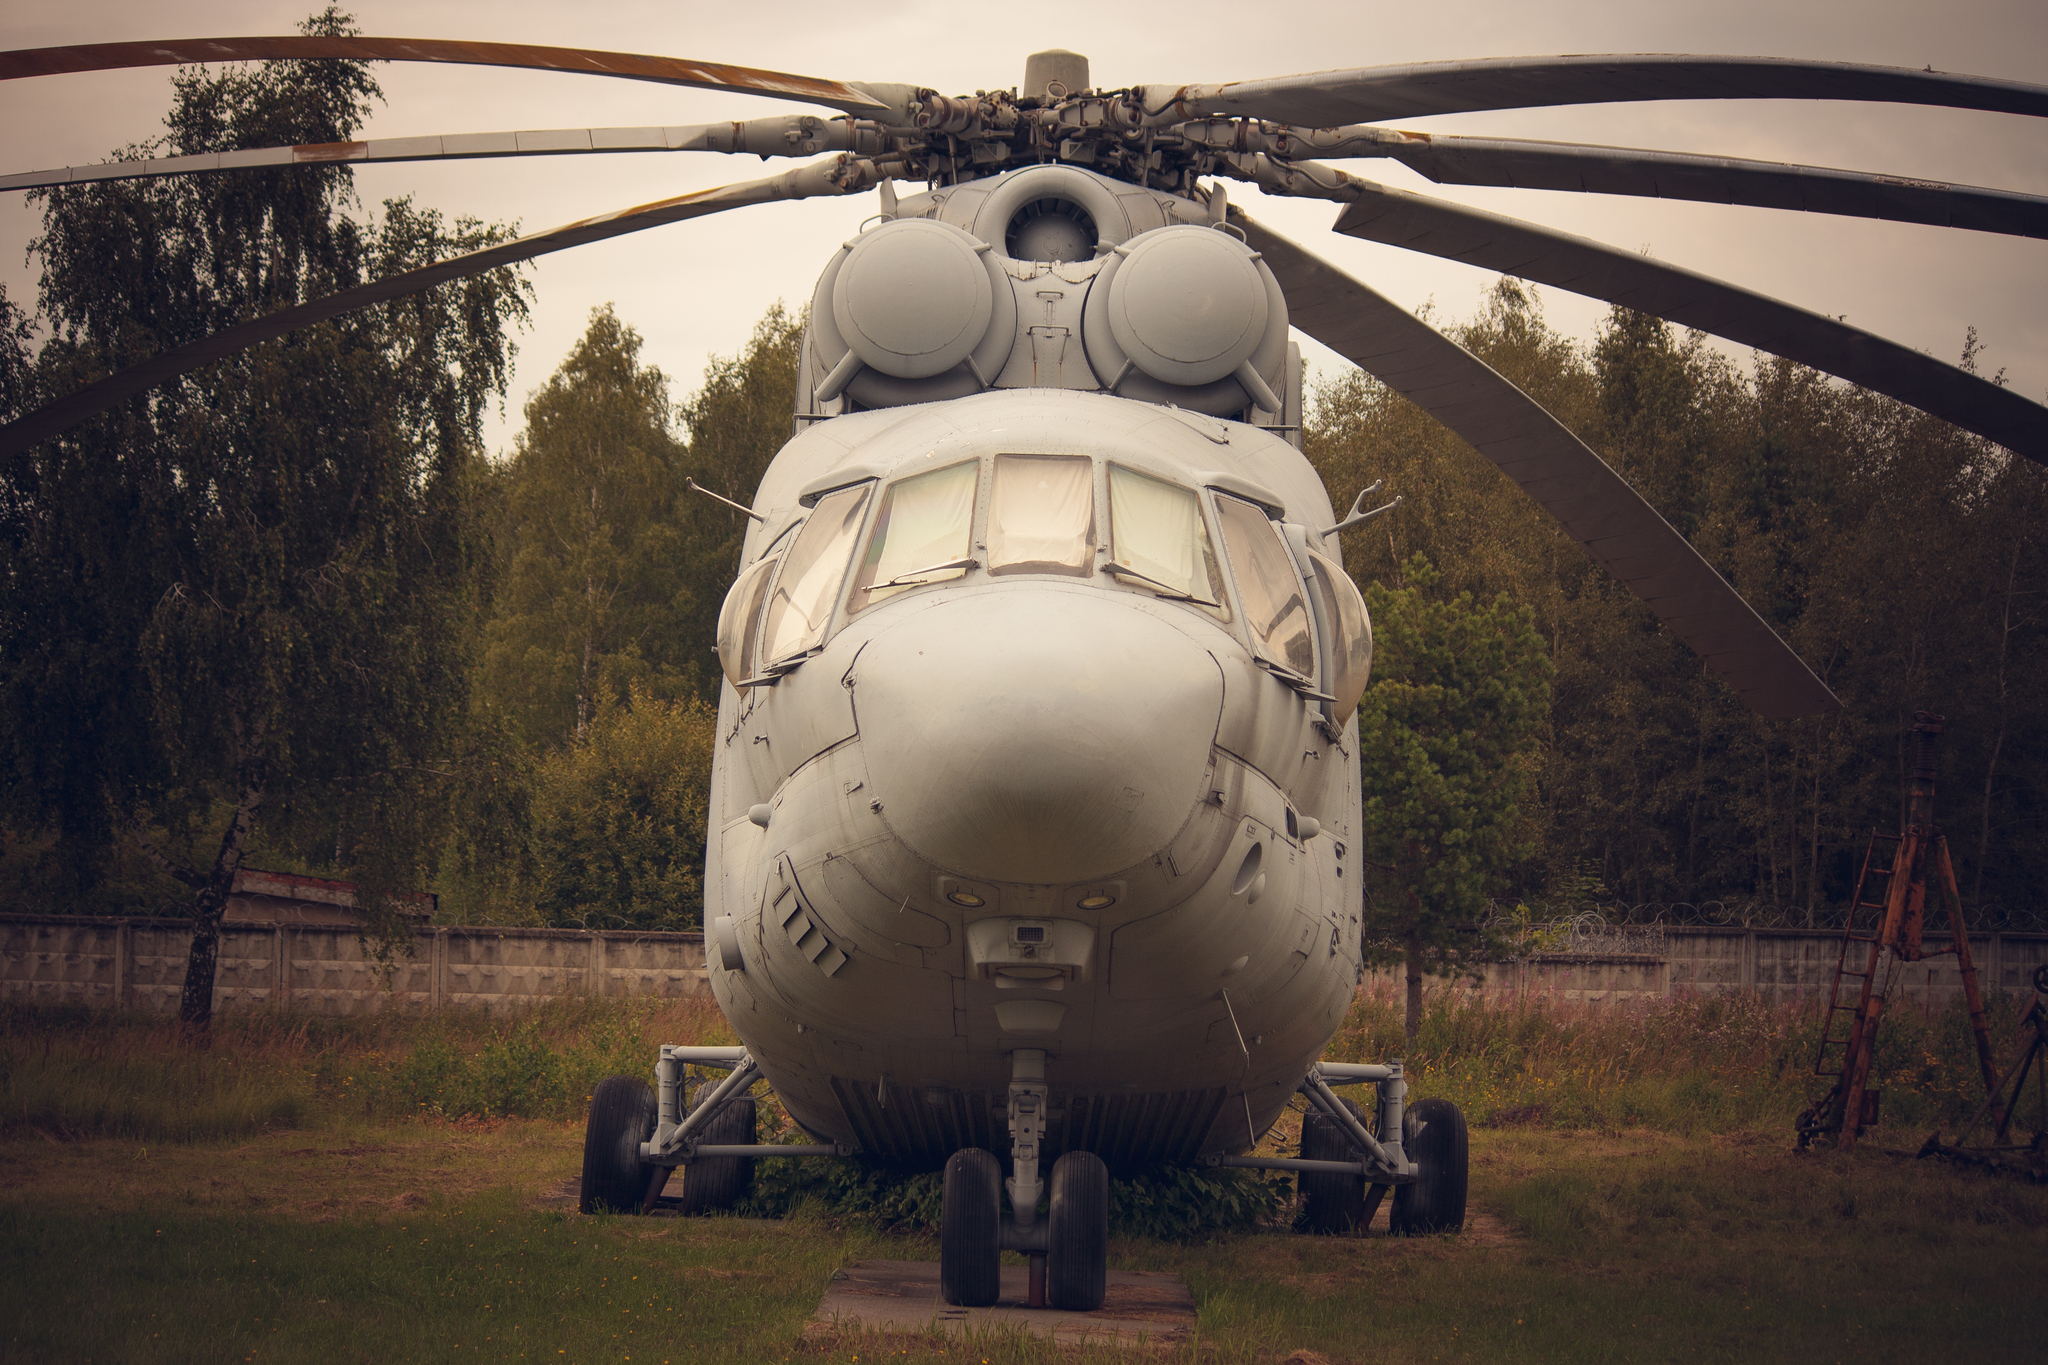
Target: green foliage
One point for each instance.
(594, 591)
(737, 422)
(1693, 1064)
(1168, 1203)
(619, 818)
(1896, 555)
(581, 782)
(247, 595)
(77, 1073)
(877, 1197)
(1445, 733)
(1181, 1203)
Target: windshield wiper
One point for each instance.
(909, 577)
(1166, 590)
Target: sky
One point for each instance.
(695, 290)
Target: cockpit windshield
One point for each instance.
(1156, 535)
(922, 534)
(1268, 586)
(801, 605)
(1041, 515)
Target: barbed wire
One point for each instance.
(1620, 926)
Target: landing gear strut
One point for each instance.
(1068, 1250)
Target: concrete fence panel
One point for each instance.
(325, 969)
(139, 964)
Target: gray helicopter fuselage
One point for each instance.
(1037, 734)
(1036, 743)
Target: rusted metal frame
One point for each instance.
(1885, 954)
(1848, 1110)
(1973, 994)
(2019, 1085)
(1842, 964)
(2031, 1049)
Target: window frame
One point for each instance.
(835, 601)
(1097, 492)
(1310, 683)
(1221, 611)
(885, 491)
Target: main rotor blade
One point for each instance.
(1536, 165)
(1545, 256)
(837, 175)
(1595, 505)
(51, 61)
(1323, 99)
(778, 135)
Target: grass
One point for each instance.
(78, 1074)
(355, 1189)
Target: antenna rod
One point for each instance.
(696, 487)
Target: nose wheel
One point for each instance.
(1068, 1250)
(971, 1230)
(1077, 1234)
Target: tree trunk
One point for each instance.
(195, 1002)
(1414, 984)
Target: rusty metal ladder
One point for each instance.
(1841, 1026)
(1899, 892)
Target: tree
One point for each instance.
(1446, 735)
(619, 817)
(595, 594)
(250, 593)
(737, 422)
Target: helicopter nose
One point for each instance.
(1036, 736)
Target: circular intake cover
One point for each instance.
(1187, 304)
(913, 298)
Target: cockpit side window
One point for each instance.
(800, 607)
(1267, 586)
(922, 534)
(1348, 636)
(739, 620)
(1158, 540)
(1041, 515)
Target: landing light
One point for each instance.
(1095, 902)
(966, 898)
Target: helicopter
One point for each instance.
(1035, 808)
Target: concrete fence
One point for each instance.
(323, 969)
(1784, 966)
(139, 964)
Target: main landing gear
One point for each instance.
(636, 1138)
(1068, 1250)
(1345, 1171)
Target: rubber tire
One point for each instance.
(623, 1111)
(971, 1229)
(1435, 1202)
(1077, 1234)
(1333, 1205)
(715, 1183)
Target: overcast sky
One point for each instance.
(694, 289)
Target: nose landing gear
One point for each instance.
(1068, 1251)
